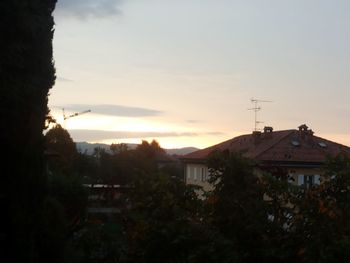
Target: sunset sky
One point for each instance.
(183, 72)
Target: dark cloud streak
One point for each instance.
(214, 133)
(61, 79)
(83, 9)
(114, 110)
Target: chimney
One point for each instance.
(303, 128)
(305, 132)
(268, 131)
(310, 132)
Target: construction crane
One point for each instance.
(72, 115)
(256, 108)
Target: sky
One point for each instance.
(184, 72)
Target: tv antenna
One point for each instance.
(72, 115)
(256, 108)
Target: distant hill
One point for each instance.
(88, 148)
(181, 151)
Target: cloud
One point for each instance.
(63, 79)
(95, 135)
(214, 133)
(83, 9)
(113, 110)
(192, 121)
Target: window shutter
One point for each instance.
(300, 179)
(317, 179)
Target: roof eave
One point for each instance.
(291, 164)
(194, 160)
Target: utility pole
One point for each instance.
(256, 108)
(72, 115)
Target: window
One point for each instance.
(308, 181)
(317, 179)
(191, 172)
(188, 172)
(295, 143)
(204, 174)
(322, 144)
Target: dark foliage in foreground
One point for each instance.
(269, 219)
(26, 75)
(250, 215)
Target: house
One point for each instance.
(104, 201)
(298, 151)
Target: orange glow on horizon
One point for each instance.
(171, 135)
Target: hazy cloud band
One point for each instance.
(82, 9)
(114, 110)
(61, 79)
(96, 135)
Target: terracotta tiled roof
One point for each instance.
(277, 146)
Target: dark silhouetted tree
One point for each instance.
(320, 225)
(64, 178)
(146, 155)
(269, 220)
(160, 219)
(59, 142)
(237, 204)
(118, 148)
(26, 75)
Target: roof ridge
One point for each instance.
(268, 148)
(329, 141)
(226, 141)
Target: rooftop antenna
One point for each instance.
(256, 108)
(72, 115)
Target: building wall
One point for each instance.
(198, 174)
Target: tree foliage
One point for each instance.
(237, 205)
(165, 224)
(121, 164)
(252, 214)
(269, 219)
(26, 75)
(60, 144)
(320, 225)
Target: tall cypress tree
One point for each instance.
(26, 75)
